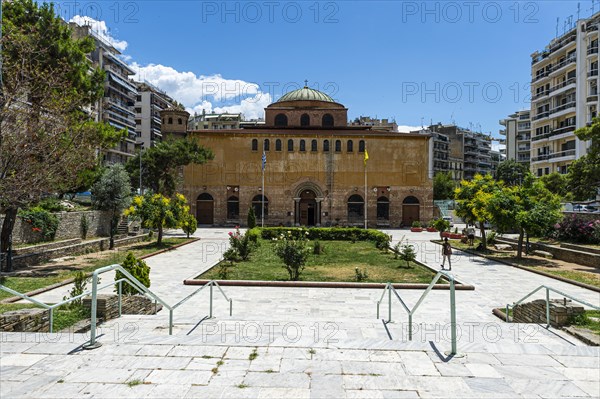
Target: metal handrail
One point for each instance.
(210, 284)
(133, 282)
(548, 289)
(390, 288)
(51, 308)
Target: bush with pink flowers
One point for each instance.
(576, 229)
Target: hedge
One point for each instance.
(380, 239)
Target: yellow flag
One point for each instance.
(366, 157)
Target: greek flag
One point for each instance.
(264, 161)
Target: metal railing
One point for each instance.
(548, 289)
(51, 307)
(133, 282)
(390, 288)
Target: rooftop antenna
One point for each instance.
(422, 127)
(557, 19)
(593, 6)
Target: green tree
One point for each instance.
(251, 218)
(557, 184)
(471, 201)
(511, 172)
(530, 208)
(46, 137)
(584, 173)
(159, 212)
(112, 193)
(189, 224)
(443, 186)
(161, 164)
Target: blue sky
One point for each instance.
(463, 61)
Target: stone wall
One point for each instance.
(566, 254)
(535, 312)
(30, 320)
(69, 226)
(108, 305)
(100, 244)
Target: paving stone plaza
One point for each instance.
(310, 342)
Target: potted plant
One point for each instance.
(416, 227)
(442, 226)
(431, 228)
(456, 235)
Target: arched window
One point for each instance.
(313, 145)
(281, 120)
(257, 204)
(410, 200)
(170, 121)
(233, 208)
(327, 120)
(302, 145)
(180, 121)
(277, 145)
(326, 146)
(383, 209)
(356, 209)
(266, 145)
(305, 120)
(254, 145)
(350, 146)
(290, 145)
(338, 146)
(361, 146)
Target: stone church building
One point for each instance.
(315, 169)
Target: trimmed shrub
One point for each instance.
(138, 269)
(380, 239)
(575, 229)
(251, 218)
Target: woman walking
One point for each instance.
(446, 253)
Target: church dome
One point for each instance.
(306, 94)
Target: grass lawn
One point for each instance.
(537, 263)
(27, 284)
(338, 263)
(590, 320)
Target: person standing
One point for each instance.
(446, 253)
(471, 234)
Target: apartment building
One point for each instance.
(472, 148)
(440, 151)
(117, 106)
(564, 89)
(214, 121)
(517, 133)
(376, 124)
(149, 102)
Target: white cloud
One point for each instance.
(101, 30)
(408, 129)
(211, 93)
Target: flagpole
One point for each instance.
(366, 193)
(262, 213)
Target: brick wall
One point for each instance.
(535, 312)
(108, 305)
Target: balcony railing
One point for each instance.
(562, 64)
(562, 107)
(545, 157)
(554, 132)
(592, 98)
(592, 50)
(593, 72)
(541, 115)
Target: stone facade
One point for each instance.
(108, 305)
(561, 311)
(315, 173)
(69, 226)
(30, 320)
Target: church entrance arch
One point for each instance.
(308, 208)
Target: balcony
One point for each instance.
(562, 64)
(593, 72)
(592, 50)
(541, 115)
(540, 76)
(562, 107)
(563, 84)
(555, 132)
(592, 98)
(554, 156)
